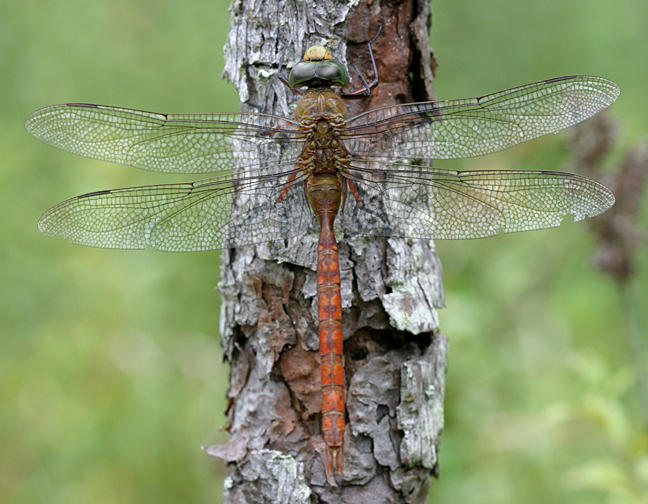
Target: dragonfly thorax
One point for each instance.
(319, 105)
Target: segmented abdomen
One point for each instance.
(330, 336)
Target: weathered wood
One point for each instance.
(394, 355)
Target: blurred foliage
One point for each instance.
(542, 399)
(108, 361)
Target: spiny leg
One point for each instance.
(366, 90)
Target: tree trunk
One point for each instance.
(395, 357)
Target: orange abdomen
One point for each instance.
(330, 337)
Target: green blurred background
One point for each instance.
(110, 374)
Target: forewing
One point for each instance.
(476, 126)
(172, 143)
(444, 204)
(182, 217)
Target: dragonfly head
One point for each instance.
(318, 69)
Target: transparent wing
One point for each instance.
(172, 143)
(476, 126)
(183, 217)
(445, 204)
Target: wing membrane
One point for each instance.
(172, 143)
(182, 217)
(445, 204)
(404, 196)
(476, 126)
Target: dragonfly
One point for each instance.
(371, 174)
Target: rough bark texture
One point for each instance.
(395, 357)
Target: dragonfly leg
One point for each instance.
(289, 182)
(281, 126)
(280, 75)
(366, 89)
(354, 190)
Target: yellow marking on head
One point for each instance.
(317, 53)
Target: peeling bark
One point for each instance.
(395, 357)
